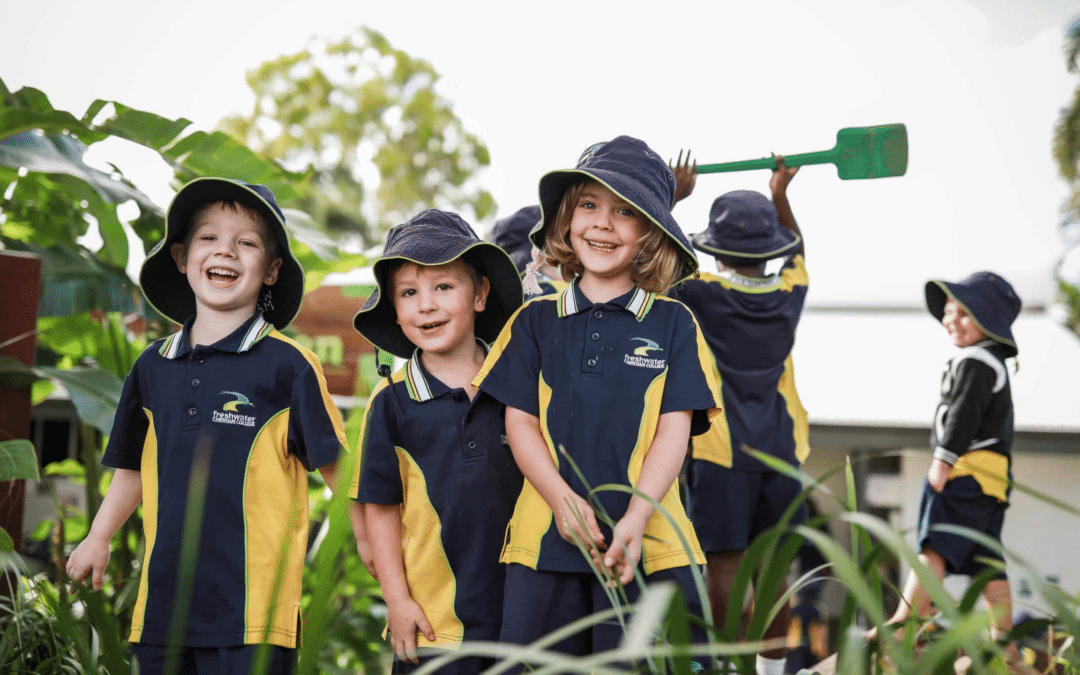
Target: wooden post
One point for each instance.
(20, 291)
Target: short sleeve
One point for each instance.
(316, 433)
(511, 371)
(692, 380)
(130, 425)
(969, 399)
(380, 472)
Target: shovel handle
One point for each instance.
(822, 157)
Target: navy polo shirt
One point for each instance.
(252, 408)
(599, 376)
(446, 460)
(750, 326)
(973, 423)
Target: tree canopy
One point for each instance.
(383, 143)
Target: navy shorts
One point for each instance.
(730, 507)
(468, 665)
(538, 602)
(214, 660)
(961, 502)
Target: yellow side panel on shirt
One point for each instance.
(275, 530)
(666, 550)
(148, 475)
(795, 276)
(795, 410)
(431, 581)
(988, 468)
(532, 515)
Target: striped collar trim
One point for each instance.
(770, 282)
(416, 378)
(571, 301)
(178, 344)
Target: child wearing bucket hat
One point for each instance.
(749, 320)
(437, 479)
(230, 393)
(970, 475)
(613, 375)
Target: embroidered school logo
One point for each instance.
(229, 412)
(641, 358)
(589, 152)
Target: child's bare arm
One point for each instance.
(91, 557)
(403, 615)
(938, 474)
(778, 183)
(658, 473)
(356, 520)
(534, 459)
(685, 176)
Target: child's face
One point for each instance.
(961, 328)
(604, 232)
(227, 260)
(436, 306)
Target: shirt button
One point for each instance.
(191, 411)
(199, 360)
(468, 419)
(195, 382)
(596, 336)
(459, 397)
(592, 362)
(599, 314)
(472, 445)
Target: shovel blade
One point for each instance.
(871, 152)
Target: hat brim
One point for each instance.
(783, 243)
(939, 292)
(166, 288)
(377, 320)
(553, 186)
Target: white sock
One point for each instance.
(766, 666)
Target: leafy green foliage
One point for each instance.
(357, 109)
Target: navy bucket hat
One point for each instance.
(167, 289)
(630, 169)
(986, 297)
(511, 234)
(431, 238)
(744, 224)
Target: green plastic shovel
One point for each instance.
(860, 152)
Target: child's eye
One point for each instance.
(407, 293)
(586, 204)
(444, 287)
(628, 212)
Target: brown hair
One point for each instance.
(656, 267)
(235, 207)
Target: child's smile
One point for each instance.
(604, 232)
(436, 306)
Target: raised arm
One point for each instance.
(778, 183)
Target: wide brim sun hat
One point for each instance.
(634, 172)
(432, 238)
(986, 297)
(167, 289)
(744, 224)
(511, 234)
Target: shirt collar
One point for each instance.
(421, 384)
(637, 301)
(240, 340)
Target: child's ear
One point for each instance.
(272, 273)
(179, 254)
(482, 290)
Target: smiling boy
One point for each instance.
(230, 396)
(437, 479)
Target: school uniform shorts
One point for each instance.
(538, 602)
(152, 660)
(961, 502)
(730, 507)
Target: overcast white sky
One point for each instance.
(977, 82)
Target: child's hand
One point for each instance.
(685, 176)
(781, 176)
(624, 554)
(367, 557)
(91, 557)
(938, 474)
(571, 508)
(405, 619)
